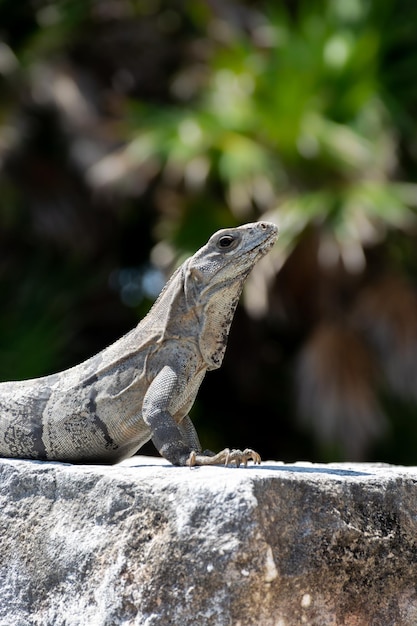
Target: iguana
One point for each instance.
(143, 385)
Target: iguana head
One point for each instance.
(200, 298)
(231, 253)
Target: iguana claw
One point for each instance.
(238, 457)
(191, 459)
(225, 457)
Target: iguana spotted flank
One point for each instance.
(142, 386)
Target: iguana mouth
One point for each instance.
(264, 246)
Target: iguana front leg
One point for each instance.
(208, 457)
(166, 435)
(179, 443)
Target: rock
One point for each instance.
(146, 543)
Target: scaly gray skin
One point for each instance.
(143, 386)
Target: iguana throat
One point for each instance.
(215, 321)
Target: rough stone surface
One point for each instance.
(146, 543)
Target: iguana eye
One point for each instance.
(225, 242)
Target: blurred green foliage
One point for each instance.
(130, 130)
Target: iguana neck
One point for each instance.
(187, 310)
(215, 319)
